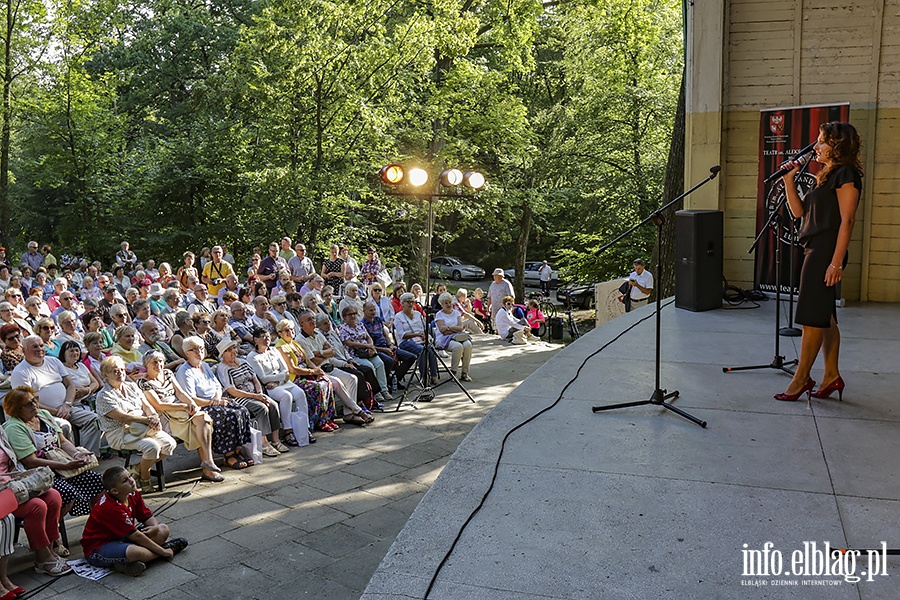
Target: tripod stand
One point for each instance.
(426, 392)
(774, 223)
(659, 395)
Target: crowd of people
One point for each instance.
(138, 356)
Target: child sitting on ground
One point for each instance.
(121, 532)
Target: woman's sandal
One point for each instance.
(271, 451)
(60, 550)
(247, 459)
(355, 419)
(234, 462)
(53, 567)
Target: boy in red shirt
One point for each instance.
(121, 532)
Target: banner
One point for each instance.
(783, 132)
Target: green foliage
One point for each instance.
(178, 125)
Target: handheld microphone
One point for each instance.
(800, 159)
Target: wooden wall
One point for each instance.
(748, 55)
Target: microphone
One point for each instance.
(800, 159)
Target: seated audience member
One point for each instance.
(86, 382)
(416, 290)
(128, 421)
(202, 301)
(317, 285)
(94, 354)
(383, 307)
(41, 522)
(67, 321)
(93, 321)
(48, 377)
(409, 327)
(344, 360)
(245, 295)
(349, 385)
(310, 302)
(359, 343)
(535, 318)
(271, 367)
(120, 280)
(463, 305)
(13, 295)
(126, 348)
(399, 290)
(172, 299)
(261, 316)
(280, 311)
(184, 328)
(9, 317)
(179, 415)
(231, 422)
(451, 335)
(157, 304)
(89, 290)
(240, 322)
(119, 317)
(243, 387)
(435, 302)
(231, 285)
(122, 532)
(32, 433)
(12, 353)
(511, 328)
(352, 299)
(220, 330)
(397, 362)
(153, 341)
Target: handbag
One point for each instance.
(135, 432)
(30, 483)
(60, 455)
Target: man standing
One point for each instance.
(32, 258)
(56, 391)
(126, 257)
(499, 289)
(641, 284)
(215, 272)
(286, 252)
(269, 267)
(545, 273)
(301, 266)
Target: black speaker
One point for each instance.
(698, 259)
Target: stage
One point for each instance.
(642, 503)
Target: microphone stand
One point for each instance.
(790, 330)
(659, 395)
(774, 223)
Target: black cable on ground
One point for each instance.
(735, 297)
(514, 429)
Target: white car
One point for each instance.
(532, 274)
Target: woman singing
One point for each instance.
(828, 212)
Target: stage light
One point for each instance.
(451, 177)
(417, 177)
(392, 174)
(474, 180)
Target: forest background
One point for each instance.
(178, 124)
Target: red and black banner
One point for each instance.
(783, 132)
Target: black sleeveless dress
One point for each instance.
(818, 235)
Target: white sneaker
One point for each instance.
(443, 354)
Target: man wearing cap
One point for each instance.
(499, 289)
(641, 284)
(32, 257)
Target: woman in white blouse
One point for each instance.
(451, 336)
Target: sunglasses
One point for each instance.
(46, 328)
(205, 321)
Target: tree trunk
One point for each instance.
(674, 186)
(522, 249)
(5, 232)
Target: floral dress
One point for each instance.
(319, 392)
(231, 423)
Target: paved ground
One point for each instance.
(317, 522)
(641, 503)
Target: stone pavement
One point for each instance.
(312, 524)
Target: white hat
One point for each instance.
(498, 271)
(156, 289)
(224, 345)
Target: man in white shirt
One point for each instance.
(301, 267)
(55, 390)
(545, 273)
(641, 284)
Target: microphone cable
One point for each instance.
(735, 297)
(490, 488)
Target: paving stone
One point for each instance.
(312, 517)
(159, 576)
(355, 502)
(337, 481)
(248, 510)
(338, 540)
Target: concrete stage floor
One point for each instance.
(642, 503)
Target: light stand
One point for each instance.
(659, 395)
(449, 178)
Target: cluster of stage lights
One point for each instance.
(417, 177)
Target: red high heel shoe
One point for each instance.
(825, 392)
(806, 389)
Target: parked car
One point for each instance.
(532, 275)
(582, 294)
(454, 268)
